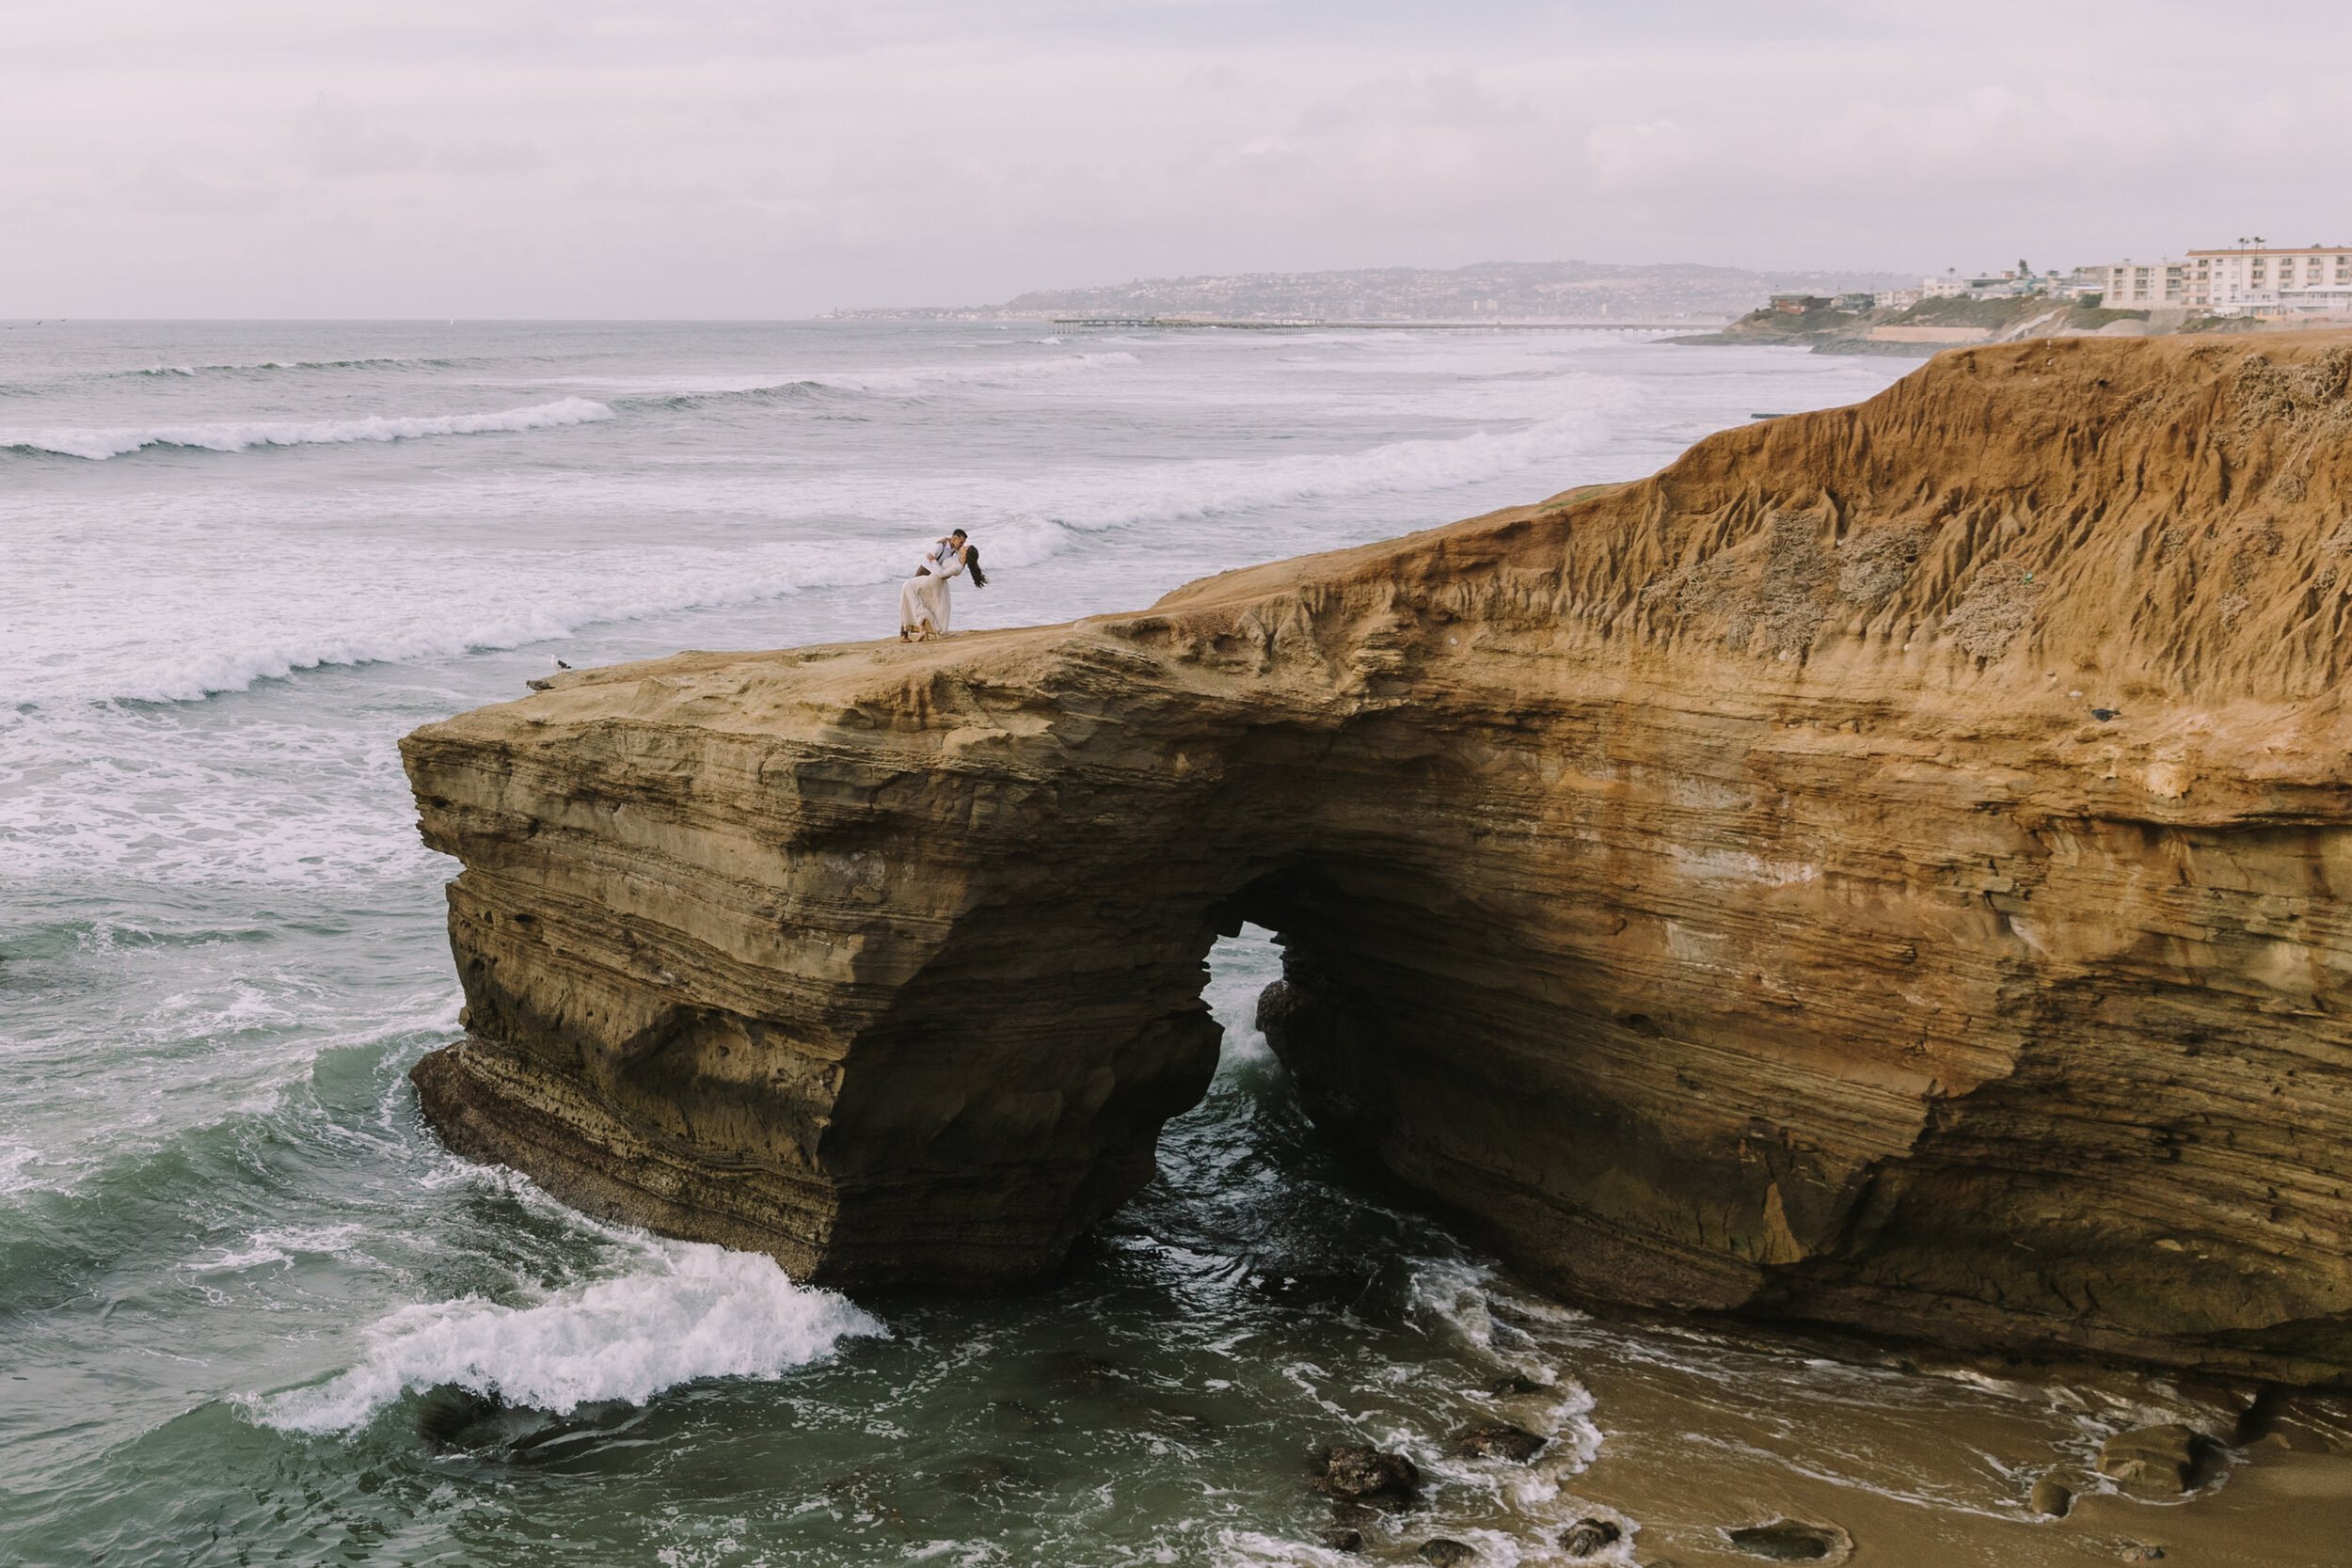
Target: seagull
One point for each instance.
(559, 664)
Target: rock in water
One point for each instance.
(1445, 1554)
(1341, 1539)
(2051, 1497)
(1787, 1541)
(1707, 883)
(1495, 1440)
(1358, 1473)
(1588, 1536)
(2151, 1461)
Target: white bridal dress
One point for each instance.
(924, 599)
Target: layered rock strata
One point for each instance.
(1886, 869)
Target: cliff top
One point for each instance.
(2138, 552)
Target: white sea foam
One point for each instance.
(91, 790)
(1181, 491)
(212, 624)
(14, 1178)
(354, 607)
(695, 1311)
(236, 435)
(282, 1245)
(358, 364)
(914, 380)
(1249, 1548)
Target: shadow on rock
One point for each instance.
(1789, 1540)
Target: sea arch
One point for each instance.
(1857, 874)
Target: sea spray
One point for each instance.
(694, 1311)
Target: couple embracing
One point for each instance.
(923, 602)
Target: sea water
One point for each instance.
(251, 1312)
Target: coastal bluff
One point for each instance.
(1891, 868)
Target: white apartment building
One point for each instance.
(2129, 285)
(2271, 281)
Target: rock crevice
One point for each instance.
(1720, 889)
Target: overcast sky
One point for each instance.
(717, 158)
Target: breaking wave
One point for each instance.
(895, 383)
(351, 603)
(236, 435)
(357, 364)
(1200, 490)
(701, 1311)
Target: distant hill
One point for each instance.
(1506, 290)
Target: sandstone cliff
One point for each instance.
(1721, 890)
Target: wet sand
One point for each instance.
(2283, 1500)
(2282, 1509)
(2279, 1509)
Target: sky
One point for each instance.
(652, 159)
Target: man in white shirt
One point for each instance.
(936, 561)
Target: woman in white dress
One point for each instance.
(923, 606)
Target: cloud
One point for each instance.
(335, 141)
(489, 156)
(162, 186)
(256, 156)
(1642, 156)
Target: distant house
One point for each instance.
(2007, 284)
(1895, 299)
(1855, 302)
(1797, 305)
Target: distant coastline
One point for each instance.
(1489, 293)
(1708, 305)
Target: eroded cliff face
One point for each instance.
(1719, 889)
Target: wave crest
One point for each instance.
(236, 435)
(897, 383)
(288, 365)
(357, 604)
(704, 1312)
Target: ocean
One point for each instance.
(251, 1312)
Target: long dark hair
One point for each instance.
(972, 565)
